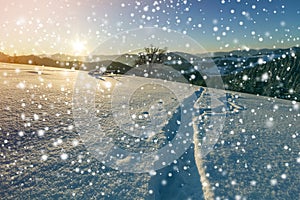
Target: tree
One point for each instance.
(151, 55)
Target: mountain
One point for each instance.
(277, 78)
(65, 57)
(269, 72)
(4, 57)
(115, 66)
(236, 61)
(249, 52)
(123, 58)
(36, 60)
(106, 65)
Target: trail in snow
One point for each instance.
(207, 192)
(222, 108)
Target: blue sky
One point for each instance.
(79, 27)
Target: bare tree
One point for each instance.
(151, 55)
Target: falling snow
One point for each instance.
(253, 152)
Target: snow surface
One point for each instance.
(44, 155)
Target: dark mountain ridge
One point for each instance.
(268, 72)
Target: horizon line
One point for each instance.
(195, 53)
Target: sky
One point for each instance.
(83, 27)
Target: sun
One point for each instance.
(78, 46)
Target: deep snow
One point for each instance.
(44, 156)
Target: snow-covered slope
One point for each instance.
(45, 155)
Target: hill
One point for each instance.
(115, 66)
(268, 72)
(278, 78)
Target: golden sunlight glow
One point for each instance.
(78, 46)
